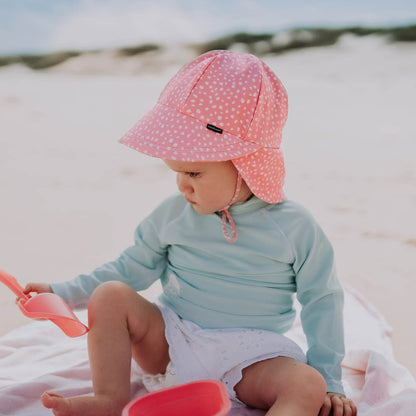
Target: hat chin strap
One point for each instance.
(226, 214)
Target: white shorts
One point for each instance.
(216, 354)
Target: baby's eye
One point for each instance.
(192, 174)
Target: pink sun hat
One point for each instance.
(221, 106)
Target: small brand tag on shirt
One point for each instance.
(214, 128)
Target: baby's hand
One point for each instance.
(338, 405)
(38, 288)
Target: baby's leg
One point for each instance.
(122, 324)
(283, 386)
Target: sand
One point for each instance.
(71, 196)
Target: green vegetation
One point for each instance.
(260, 44)
(304, 38)
(404, 34)
(137, 50)
(39, 61)
(226, 42)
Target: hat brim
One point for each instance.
(166, 133)
(264, 173)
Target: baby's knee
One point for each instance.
(312, 386)
(108, 295)
(282, 379)
(303, 385)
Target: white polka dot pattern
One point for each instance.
(264, 173)
(166, 133)
(243, 101)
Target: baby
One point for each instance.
(230, 252)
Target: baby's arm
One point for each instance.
(37, 288)
(138, 266)
(321, 296)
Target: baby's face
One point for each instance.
(208, 186)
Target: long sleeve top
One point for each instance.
(280, 251)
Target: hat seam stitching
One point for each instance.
(197, 81)
(257, 101)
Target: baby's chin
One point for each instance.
(202, 210)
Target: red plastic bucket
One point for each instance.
(199, 398)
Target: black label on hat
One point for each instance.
(214, 128)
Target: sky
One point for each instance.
(38, 26)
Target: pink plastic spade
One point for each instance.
(45, 306)
(198, 398)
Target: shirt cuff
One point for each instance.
(333, 386)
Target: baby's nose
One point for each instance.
(183, 183)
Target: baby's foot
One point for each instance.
(81, 406)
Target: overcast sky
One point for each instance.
(48, 25)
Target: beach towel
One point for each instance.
(39, 357)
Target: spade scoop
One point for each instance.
(45, 306)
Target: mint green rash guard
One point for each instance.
(280, 251)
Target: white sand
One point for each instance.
(71, 196)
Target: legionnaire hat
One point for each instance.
(221, 106)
